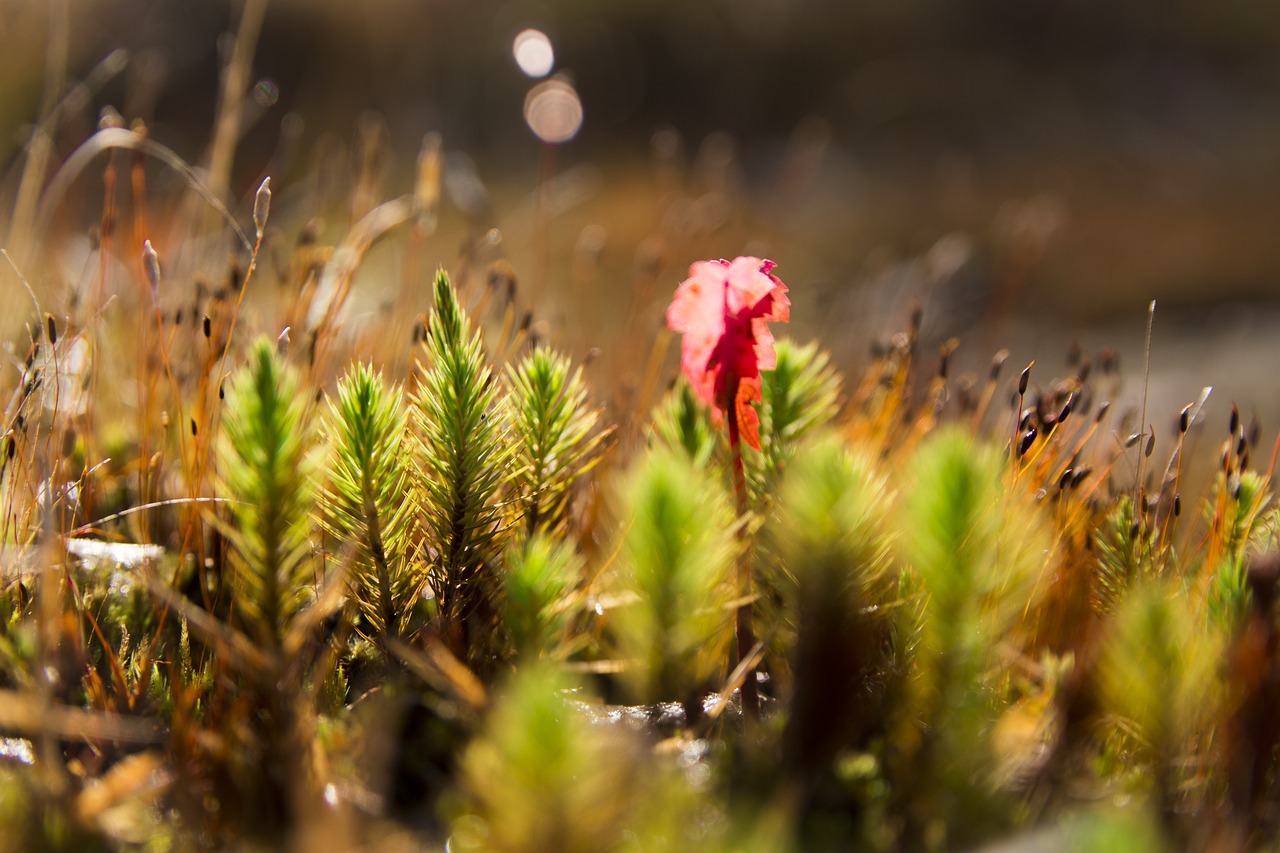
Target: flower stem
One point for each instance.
(746, 637)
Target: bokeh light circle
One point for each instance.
(266, 92)
(553, 111)
(534, 53)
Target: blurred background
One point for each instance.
(1034, 174)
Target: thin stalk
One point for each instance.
(745, 634)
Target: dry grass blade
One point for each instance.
(736, 678)
(232, 645)
(139, 775)
(335, 281)
(437, 666)
(117, 137)
(27, 715)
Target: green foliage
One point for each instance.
(977, 546)
(1135, 831)
(546, 775)
(1124, 555)
(1158, 676)
(554, 435)
(1247, 495)
(366, 505)
(540, 577)
(266, 469)
(976, 542)
(1243, 498)
(676, 551)
(464, 460)
(683, 423)
(836, 578)
(542, 778)
(800, 395)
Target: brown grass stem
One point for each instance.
(744, 631)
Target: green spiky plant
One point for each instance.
(366, 505)
(676, 554)
(539, 582)
(800, 394)
(265, 464)
(555, 436)
(540, 779)
(682, 423)
(545, 775)
(977, 545)
(1125, 555)
(835, 573)
(1237, 513)
(463, 461)
(1159, 678)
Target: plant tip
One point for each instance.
(262, 206)
(151, 266)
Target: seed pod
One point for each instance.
(1064, 480)
(262, 206)
(53, 329)
(1102, 411)
(1024, 444)
(1132, 440)
(194, 430)
(208, 326)
(1184, 420)
(151, 266)
(1086, 367)
(997, 362)
(1151, 444)
(1235, 419)
(1024, 379)
(426, 191)
(1177, 505)
(1066, 407)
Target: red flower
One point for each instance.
(723, 310)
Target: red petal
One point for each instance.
(699, 301)
(748, 284)
(766, 355)
(748, 420)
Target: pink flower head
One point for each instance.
(723, 309)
